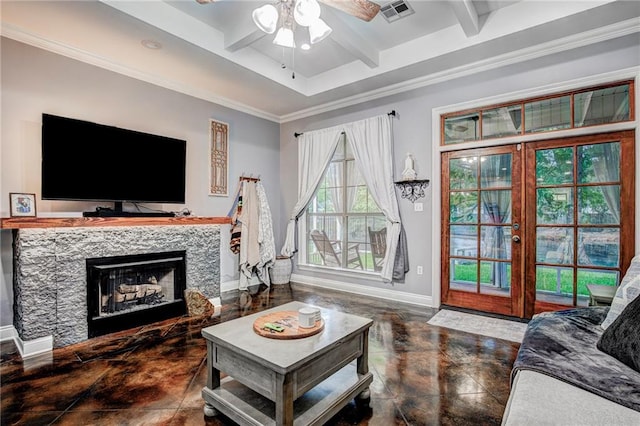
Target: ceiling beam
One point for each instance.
(467, 16)
(241, 35)
(350, 40)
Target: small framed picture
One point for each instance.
(22, 205)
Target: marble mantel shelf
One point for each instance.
(61, 222)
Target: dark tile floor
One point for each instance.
(153, 375)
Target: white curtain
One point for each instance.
(315, 150)
(371, 143)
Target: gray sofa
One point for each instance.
(566, 374)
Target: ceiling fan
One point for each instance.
(362, 9)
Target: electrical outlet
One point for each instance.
(419, 270)
(418, 207)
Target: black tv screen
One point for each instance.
(85, 161)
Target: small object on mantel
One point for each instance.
(412, 189)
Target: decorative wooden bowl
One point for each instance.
(287, 320)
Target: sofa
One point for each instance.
(581, 366)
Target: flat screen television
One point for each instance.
(85, 161)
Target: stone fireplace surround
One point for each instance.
(50, 283)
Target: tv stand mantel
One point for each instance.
(62, 222)
(121, 213)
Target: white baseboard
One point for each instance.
(380, 293)
(7, 332)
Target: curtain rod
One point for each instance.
(392, 113)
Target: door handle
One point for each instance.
(516, 238)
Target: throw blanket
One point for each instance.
(563, 345)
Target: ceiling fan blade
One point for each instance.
(363, 9)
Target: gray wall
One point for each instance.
(413, 133)
(35, 81)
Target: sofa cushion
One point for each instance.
(621, 339)
(627, 291)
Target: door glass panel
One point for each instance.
(599, 247)
(595, 276)
(503, 121)
(495, 171)
(547, 115)
(554, 206)
(599, 163)
(464, 275)
(602, 106)
(495, 278)
(495, 242)
(599, 205)
(463, 173)
(463, 240)
(554, 166)
(463, 207)
(554, 284)
(496, 206)
(554, 245)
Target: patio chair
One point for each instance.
(378, 241)
(331, 251)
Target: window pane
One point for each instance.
(372, 207)
(555, 206)
(462, 128)
(334, 200)
(503, 121)
(547, 115)
(602, 106)
(599, 163)
(554, 245)
(554, 166)
(463, 173)
(463, 240)
(599, 247)
(357, 230)
(599, 205)
(317, 204)
(358, 197)
(495, 242)
(463, 207)
(495, 171)
(496, 206)
(495, 278)
(354, 177)
(333, 176)
(554, 285)
(464, 275)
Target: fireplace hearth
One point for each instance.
(133, 290)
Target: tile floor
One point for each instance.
(153, 375)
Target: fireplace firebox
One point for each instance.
(129, 291)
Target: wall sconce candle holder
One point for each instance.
(412, 189)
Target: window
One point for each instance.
(580, 108)
(341, 217)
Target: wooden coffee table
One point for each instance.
(286, 382)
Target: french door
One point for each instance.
(525, 230)
(481, 239)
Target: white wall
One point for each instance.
(413, 133)
(35, 81)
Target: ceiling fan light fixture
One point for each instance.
(284, 38)
(318, 31)
(266, 18)
(305, 12)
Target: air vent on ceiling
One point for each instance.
(396, 10)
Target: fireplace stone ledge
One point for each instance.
(50, 282)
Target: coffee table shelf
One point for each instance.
(316, 407)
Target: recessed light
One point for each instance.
(151, 44)
(305, 46)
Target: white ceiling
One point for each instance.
(215, 52)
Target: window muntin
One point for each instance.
(344, 210)
(580, 108)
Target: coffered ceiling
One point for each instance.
(214, 50)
